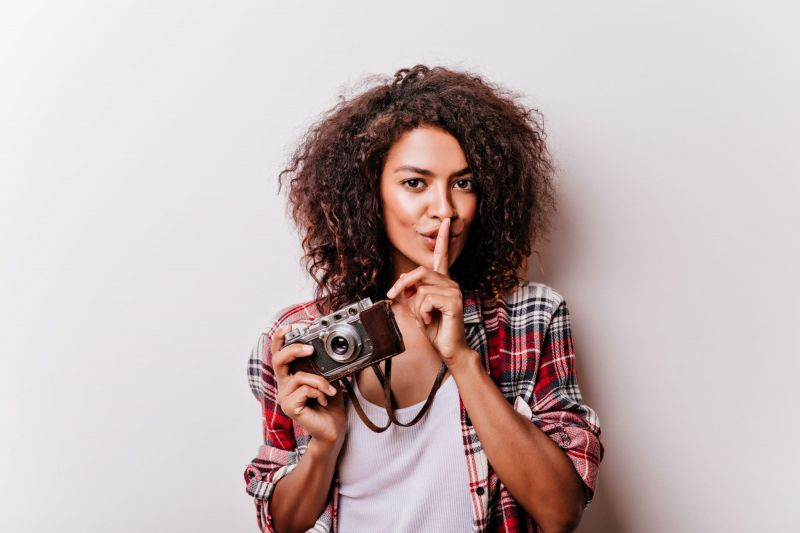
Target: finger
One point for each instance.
(278, 338)
(434, 298)
(287, 354)
(440, 251)
(296, 401)
(400, 295)
(293, 404)
(420, 275)
(422, 292)
(299, 379)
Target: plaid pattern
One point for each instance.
(525, 343)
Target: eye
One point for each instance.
(466, 184)
(412, 182)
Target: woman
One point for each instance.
(427, 190)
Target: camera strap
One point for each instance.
(360, 411)
(389, 399)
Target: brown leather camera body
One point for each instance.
(380, 327)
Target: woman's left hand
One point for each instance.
(435, 301)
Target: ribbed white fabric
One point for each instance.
(411, 479)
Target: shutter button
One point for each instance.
(479, 491)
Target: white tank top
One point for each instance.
(411, 479)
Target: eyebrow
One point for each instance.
(426, 172)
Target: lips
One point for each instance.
(430, 242)
(435, 233)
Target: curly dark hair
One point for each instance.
(334, 177)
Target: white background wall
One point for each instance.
(144, 244)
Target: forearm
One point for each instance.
(301, 496)
(535, 470)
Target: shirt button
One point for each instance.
(479, 491)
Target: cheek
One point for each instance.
(468, 208)
(401, 213)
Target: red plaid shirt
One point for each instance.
(525, 343)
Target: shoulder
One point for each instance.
(529, 308)
(532, 297)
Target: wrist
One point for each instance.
(465, 361)
(321, 450)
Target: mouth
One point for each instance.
(435, 233)
(430, 242)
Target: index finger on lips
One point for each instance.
(440, 251)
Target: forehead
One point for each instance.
(426, 147)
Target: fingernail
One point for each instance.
(390, 294)
(418, 324)
(308, 349)
(331, 389)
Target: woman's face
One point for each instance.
(426, 179)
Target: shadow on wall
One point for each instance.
(602, 515)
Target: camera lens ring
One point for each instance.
(343, 343)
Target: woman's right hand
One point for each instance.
(325, 419)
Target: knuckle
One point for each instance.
(304, 376)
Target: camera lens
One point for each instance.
(339, 345)
(343, 343)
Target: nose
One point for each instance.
(441, 205)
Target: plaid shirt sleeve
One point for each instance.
(556, 405)
(278, 455)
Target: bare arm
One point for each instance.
(534, 468)
(302, 495)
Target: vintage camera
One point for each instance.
(356, 336)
